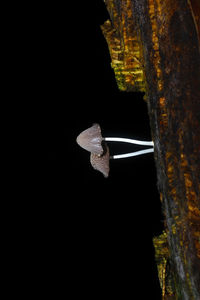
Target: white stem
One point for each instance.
(133, 153)
(131, 141)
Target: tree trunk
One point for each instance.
(154, 46)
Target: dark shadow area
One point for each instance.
(94, 234)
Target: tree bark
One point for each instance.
(167, 34)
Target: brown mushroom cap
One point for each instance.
(101, 163)
(91, 140)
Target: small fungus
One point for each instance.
(101, 162)
(92, 141)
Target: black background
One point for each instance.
(94, 235)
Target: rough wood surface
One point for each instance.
(124, 46)
(169, 33)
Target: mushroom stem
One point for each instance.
(131, 141)
(132, 154)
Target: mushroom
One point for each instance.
(92, 141)
(101, 162)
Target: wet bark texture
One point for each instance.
(167, 35)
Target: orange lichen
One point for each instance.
(162, 256)
(171, 174)
(162, 101)
(155, 43)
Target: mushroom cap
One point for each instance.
(101, 162)
(91, 139)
